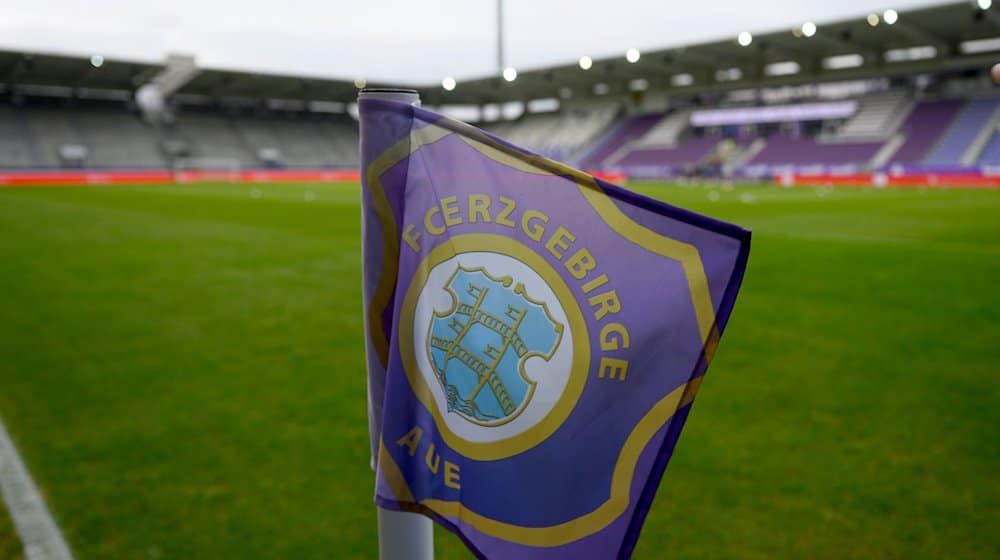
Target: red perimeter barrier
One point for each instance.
(909, 180)
(615, 177)
(160, 177)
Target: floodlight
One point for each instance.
(632, 55)
(97, 61)
(586, 62)
(638, 84)
(890, 17)
(448, 83)
(744, 39)
(360, 83)
(681, 80)
(509, 74)
(808, 29)
(984, 4)
(873, 19)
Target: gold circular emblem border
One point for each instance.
(507, 447)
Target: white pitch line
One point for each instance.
(39, 533)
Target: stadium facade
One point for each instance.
(879, 95)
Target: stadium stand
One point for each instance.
(317, 141)
(50, 128)
(116, 137)
(922, 128)
(667, 131)
(787, 150)
(559, 134)
(36, 131)
(991, 153)
(878, 118)
(905, 112)
(688, 151)
(958, 138)
(260, 137)
(15, 151)
(209, 134)
(616, 138)
(44, 132)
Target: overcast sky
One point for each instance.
(406, 41)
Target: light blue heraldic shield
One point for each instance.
(479, 346)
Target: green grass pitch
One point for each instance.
(10, 546)
(182, 370)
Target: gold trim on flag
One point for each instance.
(647, 427)
(574, 529)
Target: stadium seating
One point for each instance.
(616, 138)
(977, 114)
(40, 133)
(317, 141)
(118, 138)
(212, 135)
(991, 153)
(784, 149)
(15, 151)
(688, 151)
(560, 134)
(878, 118)
(923, 127)
(260, 137)
(49, 128)
(667, 131)
(888, 129)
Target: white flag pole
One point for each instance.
(401, 535)
(404, 536)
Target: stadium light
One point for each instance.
(681, 80)
(890, 17)
(509, 74)
(872, 19)
(638, 84)
(977, 46)
(360, 82)
(784, 68)
(632, 55)
(984, 4)
(97, 61)
(808, 29)
(448, 83)
(744, 39)
(728, 74)
(841, 61)
(586, 62)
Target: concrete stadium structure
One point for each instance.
(845, 97)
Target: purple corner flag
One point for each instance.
(535, 336)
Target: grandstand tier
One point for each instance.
(937, 131)
(36, 132)
(892, 110)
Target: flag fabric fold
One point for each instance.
(535, 336)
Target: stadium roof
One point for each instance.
(922, 40)
(17, 68)
(942, 27)
(220, 83)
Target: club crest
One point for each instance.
(479, 346)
